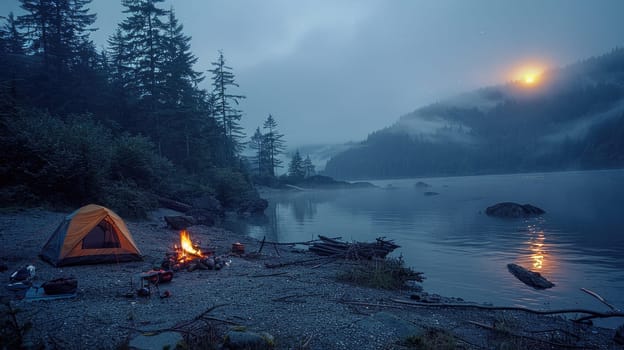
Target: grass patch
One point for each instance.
(389, 273)
(432, 339)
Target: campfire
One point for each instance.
(187, 250)
(188, 255)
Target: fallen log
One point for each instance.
(180, 222)
(530, 278)
(173, 204)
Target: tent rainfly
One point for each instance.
(91, 235)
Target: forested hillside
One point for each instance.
(573, 119)
(113, 126)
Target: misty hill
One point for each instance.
(572, 119)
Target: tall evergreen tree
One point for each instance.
(57, 29)
(295, 168)
(308, 167)
(179, 80)
(143, 31)
(13, 40)
(225, 111)
(274, 144)
(260, 159)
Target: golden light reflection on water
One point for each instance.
(539, 257)
(537, 248)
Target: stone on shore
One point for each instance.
(243, 340)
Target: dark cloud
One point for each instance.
(333, 71)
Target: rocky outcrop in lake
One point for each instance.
(513, 210)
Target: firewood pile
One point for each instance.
(357, 250)
(179, 262)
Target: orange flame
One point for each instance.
(187, 245)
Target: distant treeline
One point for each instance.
(79, 125)
(575, 120)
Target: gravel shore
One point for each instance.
(295, 304)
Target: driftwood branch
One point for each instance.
(492, 328)
(297, 262)
(272, 274)
(592, 314)
(182, 327)
(359, 303)
(356, 250)
(600, 298)
(296, 296)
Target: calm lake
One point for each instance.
(578, 243)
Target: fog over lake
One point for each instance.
(577, 244)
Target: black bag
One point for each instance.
(61, 286)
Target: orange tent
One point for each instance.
(90, 235)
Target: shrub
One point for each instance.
(432, 339)
(63, 160)
(128, 200)
(389, 273)
(135, 158)
(230, 186)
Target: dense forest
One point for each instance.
(573, 119)
(115, 126)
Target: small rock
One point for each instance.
(237, 340)
(421, 184)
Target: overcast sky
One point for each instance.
(332, 71)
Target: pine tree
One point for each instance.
(308, 167)
(13, 41)
(57, 29)
(274, 144)
(295, 169)
(143, 32)
(179, 81)
(225, 110)
(259, 160)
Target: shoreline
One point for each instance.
(293, 303)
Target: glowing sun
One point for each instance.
(529, 78)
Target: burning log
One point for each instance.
(188, 256)
(356, 250)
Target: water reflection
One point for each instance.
(302, 208)
(536, 246)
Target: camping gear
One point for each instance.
(22, 278)
(37, 293)
(61, 286)
(238, 248)
(91, 235)
(24, 274)
(157, 276)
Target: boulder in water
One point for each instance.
(421, 184)
(513, 210)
